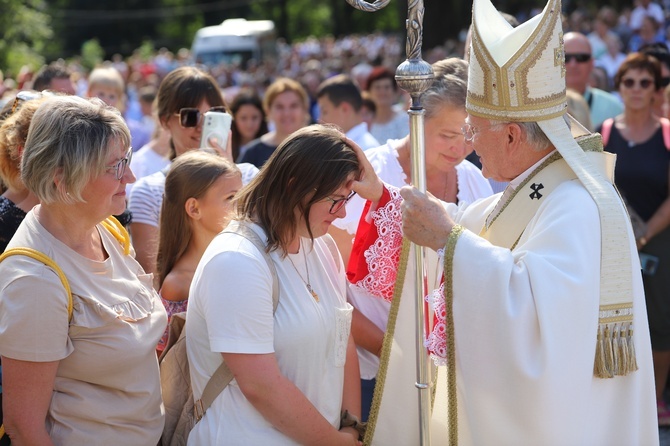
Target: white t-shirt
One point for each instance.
(384, 159)
(145, 162)
(396, 128)
(360, 135)
(146, 197)
(230, 310)
(654, 10)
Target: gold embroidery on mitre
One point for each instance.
(530, 86)
(559, 54)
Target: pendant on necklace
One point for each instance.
(312, 292)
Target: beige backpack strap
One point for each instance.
(48, 261)
(223, 376)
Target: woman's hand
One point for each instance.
(368, 185)
(227, 151)
(353, 434)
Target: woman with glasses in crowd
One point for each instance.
(295, 368)
(79, 367)
(448, 176)
(184, 96)
(641, 175)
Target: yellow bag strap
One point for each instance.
(118, 232)
(110, 223)
(48, 261)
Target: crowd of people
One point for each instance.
(534, 237)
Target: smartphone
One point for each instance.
(216, 128)
(648, 263)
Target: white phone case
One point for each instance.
(216, 129)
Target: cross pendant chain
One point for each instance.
(306, 282)
(312, 292)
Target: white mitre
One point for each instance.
(518, 74)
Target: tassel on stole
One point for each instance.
(615, 351)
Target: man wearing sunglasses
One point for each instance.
(578, 67)
(660, 51)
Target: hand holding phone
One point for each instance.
(215, 130)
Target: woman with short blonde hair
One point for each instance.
(286, 105)
(78, 369)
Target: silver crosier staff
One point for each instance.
(414, 76)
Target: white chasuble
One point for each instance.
(525, 318)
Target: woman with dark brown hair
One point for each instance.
(248, 120)
(296, 369)
(184, 96)
(390, 122)
(641, 174)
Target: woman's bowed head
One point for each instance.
(279, 356)
(306, 184)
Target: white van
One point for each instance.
(235, 41)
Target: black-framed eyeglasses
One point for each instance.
(339, 203)
(119, 169)
(192, 117)
(643, 83)
(579, 57)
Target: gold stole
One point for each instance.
(394, 413)
(506, 228)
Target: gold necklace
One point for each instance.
(306, 282)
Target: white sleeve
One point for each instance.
(235, 289)
(145, 202)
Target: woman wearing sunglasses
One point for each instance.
(87, 374)
(641, 174)
(184, 96)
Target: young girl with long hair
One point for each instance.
(199, 192)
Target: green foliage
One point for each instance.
(19, 55)
(146, 50)
(26, 30)
(178, 34)
(92, 54)
(177, 31)
(308, 18)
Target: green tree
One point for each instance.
(26, 31)
(91, 54)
